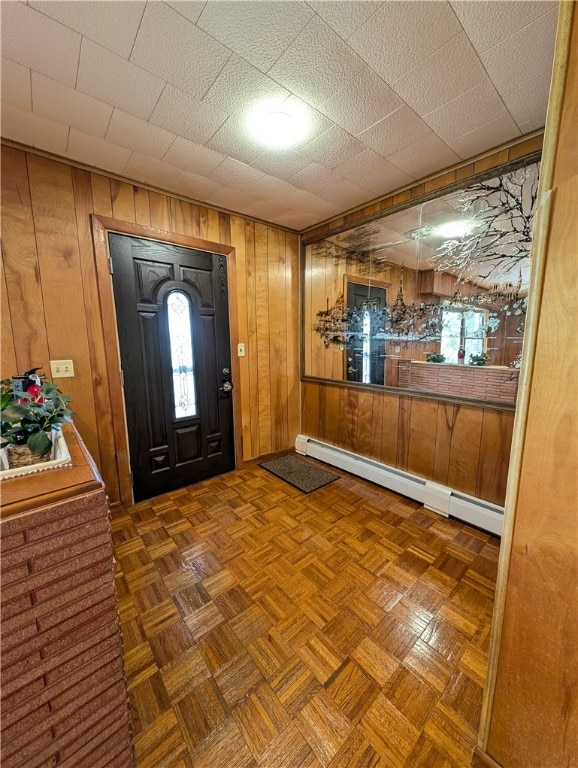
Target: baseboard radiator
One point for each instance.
(438, 498)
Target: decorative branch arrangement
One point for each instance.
(501, 211)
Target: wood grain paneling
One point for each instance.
(52, 303)
(532, 720)
(463, 446)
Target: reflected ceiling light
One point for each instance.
(279, 124)
(458, 228)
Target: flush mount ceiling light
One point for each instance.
(279, 124)
(458, 228)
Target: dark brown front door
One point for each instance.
(173, 327)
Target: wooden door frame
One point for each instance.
(101, 226)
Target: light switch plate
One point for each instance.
(240, 350)
(61, 369)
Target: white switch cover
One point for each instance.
(240, 350)
(61, 369)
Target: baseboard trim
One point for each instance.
(441, 499)
(481, 759)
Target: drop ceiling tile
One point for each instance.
(151, 171)
(314, 178)
(16, 88)
(191, 60)
(317, 64)
(424, 156)
(112, 79)
(297, 221)
(487, 137)
(195, 186)
(401, 34)
(233, 139)
(469, 111)
(93, 151)
(371, 171)
(446, 74)
(364, 101)
(31, 129)
(232, 199)
(66, 105)
(346, 194)
(136, 134)
(193, 157)
(280, 164)
(523, 57)
(35, 41)
(240, 85)
(237, 175)
(491, 22)
(185, 115)
(528, 104)
(190, 9)
(395, 131)
(334, 146)
(259, 32)
(302, 200)
(345, 17)
(113, 25)
(263, 209)
(275, 190)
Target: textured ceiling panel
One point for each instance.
(139, 135)
(16, 86)
(257, 31)
(160, 92)
(317, 49)
(176, 50)
(111, 78)
(59, 102)
(491, 22)
(39, 43)
(467, 112)
(113, 25)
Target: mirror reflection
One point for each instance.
(431, 298)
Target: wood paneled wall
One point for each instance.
(51, 304)
(533, 720)
(462, 446)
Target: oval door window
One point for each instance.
(182, 361)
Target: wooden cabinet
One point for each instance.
(63, 696)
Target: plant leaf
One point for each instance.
(39, 443)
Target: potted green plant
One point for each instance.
(28, 420)
(434, 357)
(481, 359)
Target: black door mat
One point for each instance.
(299, 473)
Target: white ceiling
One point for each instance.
(158, 91)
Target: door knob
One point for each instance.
(227, 386)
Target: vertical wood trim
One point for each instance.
(104, 427)
(106, 296)
(21, 268)
(142, 206)
(293, 325)
(52, 198)
(101, 197)
(263, 344)
(539, 246)
(238, 241)
(122, 195)
(252, 336)
(8, 365)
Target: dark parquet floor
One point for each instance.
(266, 628)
